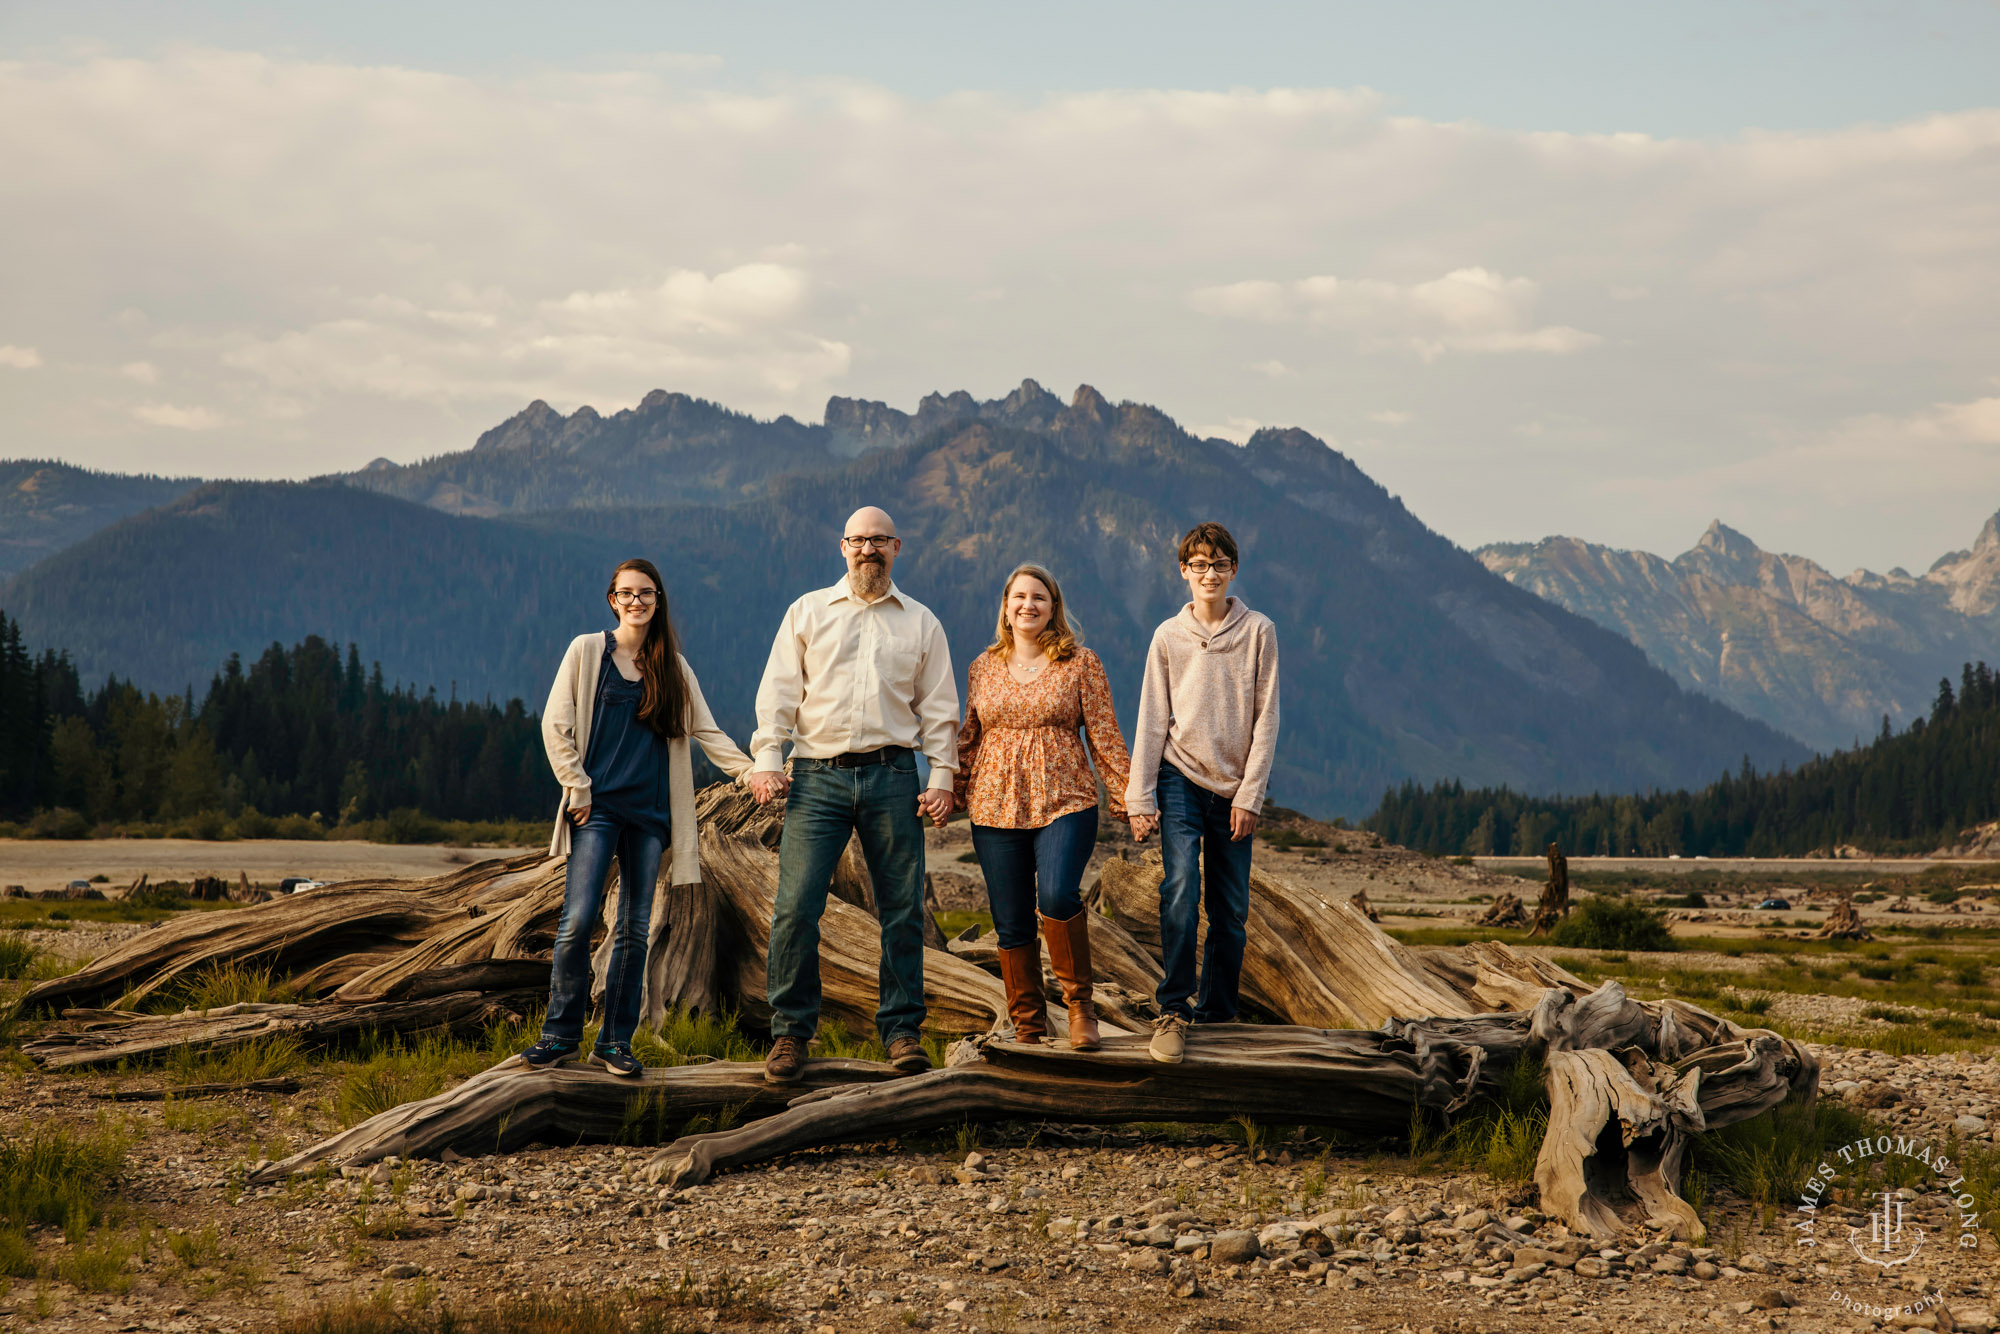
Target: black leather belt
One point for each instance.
(861, 759)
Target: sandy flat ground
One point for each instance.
(1779, 865)
(51, 864)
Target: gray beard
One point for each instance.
(869, 581)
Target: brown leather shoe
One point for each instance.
(787, 1062)
(908, 1055)
(1027, 1006)
(1069, 955)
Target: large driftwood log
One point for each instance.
(510, 1105)
(149, 1037)
(1315, 959)
(962, 999)
(294, 936)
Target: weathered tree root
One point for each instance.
(510, 1105)
(148, 1037)
(1362, 1082)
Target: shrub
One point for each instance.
(58, 822)
(1612, 924)
(253, 823)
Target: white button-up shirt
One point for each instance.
(847, 675)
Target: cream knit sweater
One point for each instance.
(566, 737)
(1209, 707)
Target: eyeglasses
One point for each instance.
(867, 543)
(1201, 567)
(625, 597)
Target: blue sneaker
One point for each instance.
(618, 1059)
(548, 1053)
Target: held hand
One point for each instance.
(1242, 824)
(768, 785)
(1143, 827)
(936, 803)
(578, 815)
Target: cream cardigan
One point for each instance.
(566, 737)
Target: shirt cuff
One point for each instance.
(942, 780)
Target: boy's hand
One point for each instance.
(1143, 827)
(579, 815)
(1242, 824)
(768, 785)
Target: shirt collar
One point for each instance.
(845, 591)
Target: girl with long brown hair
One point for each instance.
(622, 711)
(1023, 775)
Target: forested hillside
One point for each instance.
(1401, 656)
(1906, 792)
(299, 732)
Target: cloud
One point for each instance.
(1465, 310)
(20, 358)
(144, 372)
(1391, 417)
(735, 334)
(177, 418)
(342, 261)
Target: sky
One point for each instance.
(1604, 271)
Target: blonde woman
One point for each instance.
(1024, 777)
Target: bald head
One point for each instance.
(869, 521)
(870, 544)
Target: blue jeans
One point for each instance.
(1030, 869)
(1194, 837)
(591, 849)
(826, 805)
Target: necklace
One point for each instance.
(1026, 673)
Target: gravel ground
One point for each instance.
(1074, 1230)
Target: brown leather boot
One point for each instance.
(1021, 971)
(1069, 954)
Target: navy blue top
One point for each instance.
(627, 762)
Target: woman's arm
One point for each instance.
(968, 738)
(715, 743)
(559, 732)
(1106, 742)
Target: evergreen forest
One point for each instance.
(299, 741)
(1903, 793)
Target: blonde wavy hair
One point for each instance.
(1058, 638)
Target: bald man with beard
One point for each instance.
(858, 681)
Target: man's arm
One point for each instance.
(778, 696)
(937, 708)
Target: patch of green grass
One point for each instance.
(266, 1058)
(17, 957)
(386, 1070)
(953, 923)
(1767, 1159)
(1501, 1132)
(1455, 935)
(684, 1038)
(196, 1249)
(98, 1265)
(1613, 924)
(527, 1315)
(233, 982)
(56, 1177)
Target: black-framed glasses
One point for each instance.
(867, 543)
(645, 597)
(1200, 567)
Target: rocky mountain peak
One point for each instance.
(1971, 579)
(1088, 407)
(536, 424)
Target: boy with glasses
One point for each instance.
(1201, 760)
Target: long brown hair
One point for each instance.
(1058, 638)
(663, 700)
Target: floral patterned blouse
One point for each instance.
(1021, 763)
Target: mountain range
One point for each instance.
(1402, 656)
(1821, 657)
